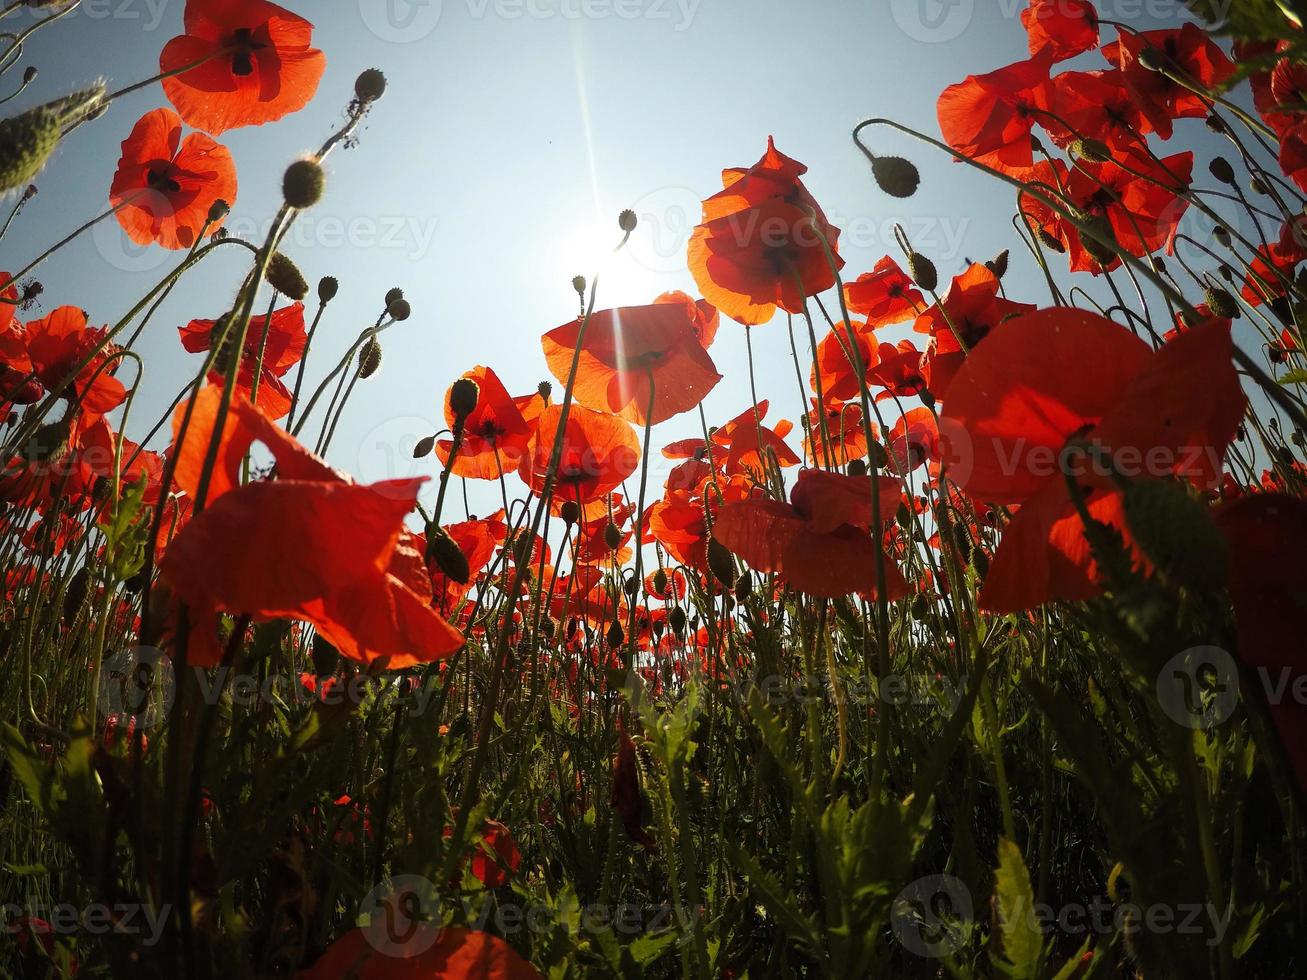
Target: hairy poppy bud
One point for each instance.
(463, 397)
(393, 294)
(424, 447)
(744, 586)
(326, 658)
(220, 235)
(443, 552)
(302, 185)
(1257, 186)
(218, 210)
(578, 283)
(627, 221)
(28, 139)
(1050, 242)
(660, 583)
(1222, 303)
(1226, 272)
(399, 311)
(612, 537)
(1216, 124)
(1220, 169)
(1093, 150)
(570, 512)
(857, 467)
(877, 456)
(998, 264)
(630, 585)
(615, 636)
(545, 390)
(720, 563)
(327, 289)
(1152, 59)
(29, 74)
(31, 192)
(677, 618)
(369, 86)
(1098, 245)
(284, 276)
(895, 176)
(1175, 530)
(923, 271)
(1222, 236)
(369, 358)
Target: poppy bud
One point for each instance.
(1216, 124)
(630, 585)
(1050, 242)
(370, 358)
(1222, 304)
(392, 294)
(424, 447)
(627, 221)
(570, 511)
(1285, 455)
(1299, 438)
(1221, 170)
(998, 264)
(920, 607)
(369, 86)
(1035, 145)
(78, 587)
(744, 586)
(1278, 355)
(545, 390)
(1093, 150)
(1103, 254)
(399, 311)
(677, 618)
(1158, 265)
(895, 176)
(29, 75)
(612, 537)
(522, 549)
(302, 185)
(1241, 433)
(903, 516)
(1222, 235)
(1152, 59)
(328, 286)
(284, 276)
(326, 658)
(927, 398)
(878, 458)
(660, 583)
(578, 283)
(463, 397)
(443, 551)
(1226, 272)
(28, 139)
(220, 235)
(1257, 186)
(923, 271)
(1175, 530)
(31, 192)
(720, 563)
(49, 441)
(218, 210)
(857, 467)
(615, 636)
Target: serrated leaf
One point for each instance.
(1022, 951)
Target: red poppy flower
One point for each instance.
(884, 296)
(747, 441)
(254, 64)
(677, 521)
(839, 378)
(819, 542)
(56, 344)
(599, 452)
(430, 953)
(760, 243)
(165, 186)
(496, 857)
(1060, 29)
(627, 797)
(965, 315)
(990, 118)
(848, 437)
(635, 359)
(1268, 581)
(1096, 105)
(495, 435)
(703, 315)
(898, 371)
(1044, 384)
(282, 338)
(592, 545)
(308, 545)
(1186, 50)
(914, 440)
(1293, 155)
(477, 539)
(67, 475)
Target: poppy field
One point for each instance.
(974, 650)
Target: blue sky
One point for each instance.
(512, 134)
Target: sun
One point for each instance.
(589, 251)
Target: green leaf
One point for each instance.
(1297, 376)
(1022, 939)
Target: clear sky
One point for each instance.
(512, 134)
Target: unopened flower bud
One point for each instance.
(1093, 150)
(370, 358)
(615, 635)
(720, 563)
(857, 467)
(998, 264)
(1220, 169)
(443, 552)
(29, 75)
(1222, 303)
(29, 138)
(1222, 235)
(424, 447)
(1152, 59)
(923, 271)
(896, 176)
(570, 512)
(326, 658)
(284, 276)
(302, 185)
(677, 618)
(612, 537)
(399, 311)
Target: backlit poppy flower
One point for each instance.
(253, 64)
(677, 522)
(703, 315)
(477, 540)
(644, 363)
(1060, 29)
(884, 296)
(495, 435)
(58, 343)
(165, 186)
(760, 245)
(1186, 51)
(1264, 534)
(78, 452)
(282, 339)
(820, 541)
(599, 452)
(308, 545)
(1293, 155)
(839, 378)
(962, 318)
(1096, 105)
(592, 545)
(913, 440)
(747, 441)
(990, 118)
(1070, 389)
(431, 953)
(898, 371)
(848, 436)
(628, 798)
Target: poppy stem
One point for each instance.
(304, 359)
(64, 241)
(212, 55)
(633, 636)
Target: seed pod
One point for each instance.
(78, 588)
(720, 563)
(370, 358)
(1222, 303)
(895, 176)
(399, 311)
(545, 390)
(1220, 169)
(28, 139)
(463, 397)
(857, 467)
(570, 512)
(677, 618)
(218, 210)
(744, 586)
(393, 294)
(877, 456)
(578, 283)
(424, 447)
(660, 583)
(328, 286)
(612, 537)
(284, 276)
(615, 636)
(369, 86)
(923, 271)
(1222, 236)
(303, 183)
(443, 551)
(627, 221)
